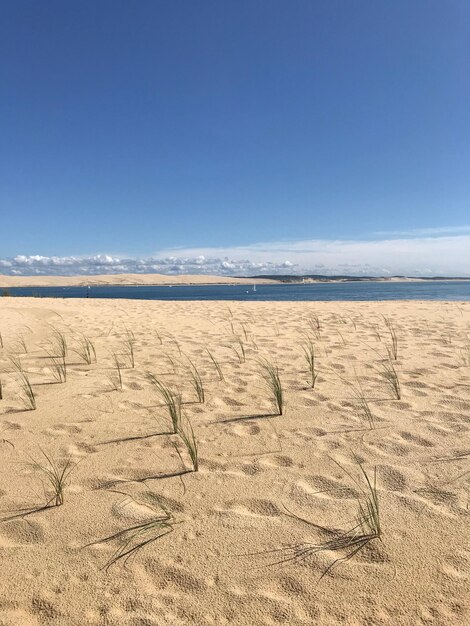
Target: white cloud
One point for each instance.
(428, 254)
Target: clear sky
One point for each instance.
(289, 133)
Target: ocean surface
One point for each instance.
(427, 290)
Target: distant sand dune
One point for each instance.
(122, 279)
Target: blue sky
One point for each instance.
(235, 130)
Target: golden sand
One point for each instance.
(265, 482)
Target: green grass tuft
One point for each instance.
(56, 475)
(171, 400)
(270, 374)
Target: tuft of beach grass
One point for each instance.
(86, 350)
(171, 400)
(393, 348)
(216, 364)
(59, 369)
(189, 440)
(270, 374)
(196, 381)
(56, 475)
(365, 529)
(308, 349)
(115, 377)
(132, 539)
(390, 376)
(129, 343)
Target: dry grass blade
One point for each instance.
(29, 397)
(16, 363)
(1, 389)
(172, 362)
(216, 364)
(270, 374)
(309, 353)
(393, 349)
(129, 343)
(240, 350)
(171, 399)
(188, 437)
(314, 323)
(136, 537)
(59, 344)
(196, 382)
(366, 529)
(86, 350)
(390, 375)
(20, 345)
(56, 475)
(115, 378)
(361, 399)
(59, 369)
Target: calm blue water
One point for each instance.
(429, 290)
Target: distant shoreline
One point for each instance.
(155, 280)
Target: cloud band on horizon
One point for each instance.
(438, 255)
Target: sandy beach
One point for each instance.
(274, 526)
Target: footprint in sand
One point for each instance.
(21, 532)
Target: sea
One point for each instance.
(455, 290)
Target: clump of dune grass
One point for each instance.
(196, 382)
(56, 475)
(270, 374)
(376, 332)
(353, 321)
(362, 401)
(366, 528)
(239, 349)
(393, 348)
(28, 395)
(59, 369)
(115, 377)
(216, 364)
(189, 440)
(20, 345)
(309, 354)
(129, 343)
(172, 362)
(137, 537)
(16, 362)
(171, 400)
(86, 350)
(390, 376)
(59, 346)
(315, 325)
(57, 353)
